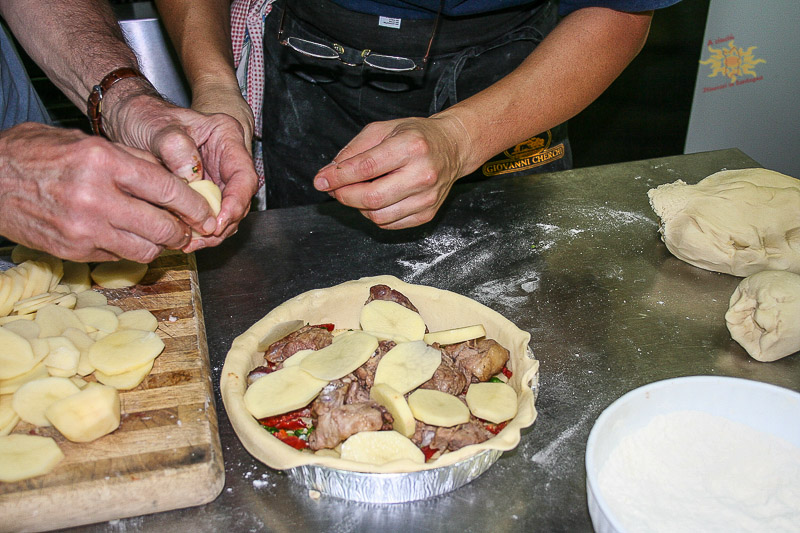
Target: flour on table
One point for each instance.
(692, 471)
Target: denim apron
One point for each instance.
(313, 107)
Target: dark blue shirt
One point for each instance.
(18, 100)
(428, 8)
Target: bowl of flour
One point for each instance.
(698, 453)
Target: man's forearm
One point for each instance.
(565, 73)
(75, 42)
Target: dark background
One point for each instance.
(644, 114)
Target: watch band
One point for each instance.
(94, 108)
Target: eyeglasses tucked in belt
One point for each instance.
(355, 58)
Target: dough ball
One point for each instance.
(764, 314)
(736, 221)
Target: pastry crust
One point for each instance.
(341, 305)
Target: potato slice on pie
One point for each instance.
(493, 402)
(350, 351)
(408, 365)
(282, 391)
(379, 447)
(396, 404)
(392, 319)
(437, 408)
(456, 335)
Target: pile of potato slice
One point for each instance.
(403, 369)
(54, 332)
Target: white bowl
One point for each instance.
(767, 408)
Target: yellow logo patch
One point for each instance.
(531, 153)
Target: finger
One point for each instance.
(385, 157)
(148, 222)
(155, 185)
(179, 153)
(127, 245)
(240, 183)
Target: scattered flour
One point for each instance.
(692, 471)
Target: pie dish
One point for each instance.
(341, 305)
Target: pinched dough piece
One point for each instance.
(137, 319)
(408, 365)
(8, 417)
(98, 318)
(764, 315)
(9, 386)
(391, 318)
(76, 276)
(27, 456)
(282, 391)
(437, 408)
(54, 319)
(454, 336)
(349, 351)
(118, 274)
(62, 357)
(89, 414)
(127, 380)
(396, 404)
(125, 350)
(32, 399)
(493, 402)
(379, 447)
(736, 221)
(16, 354)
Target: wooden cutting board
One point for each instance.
(166, 454)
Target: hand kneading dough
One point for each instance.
(764, 315)
(736, 221)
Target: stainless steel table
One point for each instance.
(572, 257)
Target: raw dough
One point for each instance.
(736, 221)
(764, 314)
(341, 305)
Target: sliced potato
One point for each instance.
(282, 391)
(118, 274)
(456, 335)
(493, 402)
(127, 380)
(437, 408)
(17, 287)
(76, 276)
(138, 319)
(67, 300)
(32, 399)
(113, 308)
(392, 318)
(16, 354)
(79, 381)
(350, 351)
(98, 318)
(24, 328)
(396, 404)
(379, 447)
(9, 386)
(125, 350)
(37, 275)
(27, 456)
(62, 357)
(6, 305)
(210, 191)
(295, 358)
(82, 342)
(8, 417)
(89, 414)
(54, 319)
(408, 365)
(34, 303)
(91, 299)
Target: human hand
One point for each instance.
(398, 172)
(84, 198)
(215, 97)
(194, 146)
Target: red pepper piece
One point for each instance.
(506, 372)
(291, 420)
(496, 428)
(329, 327)
(295, 442)
(428, 452)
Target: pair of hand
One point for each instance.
(87, 199)
(399, 172)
